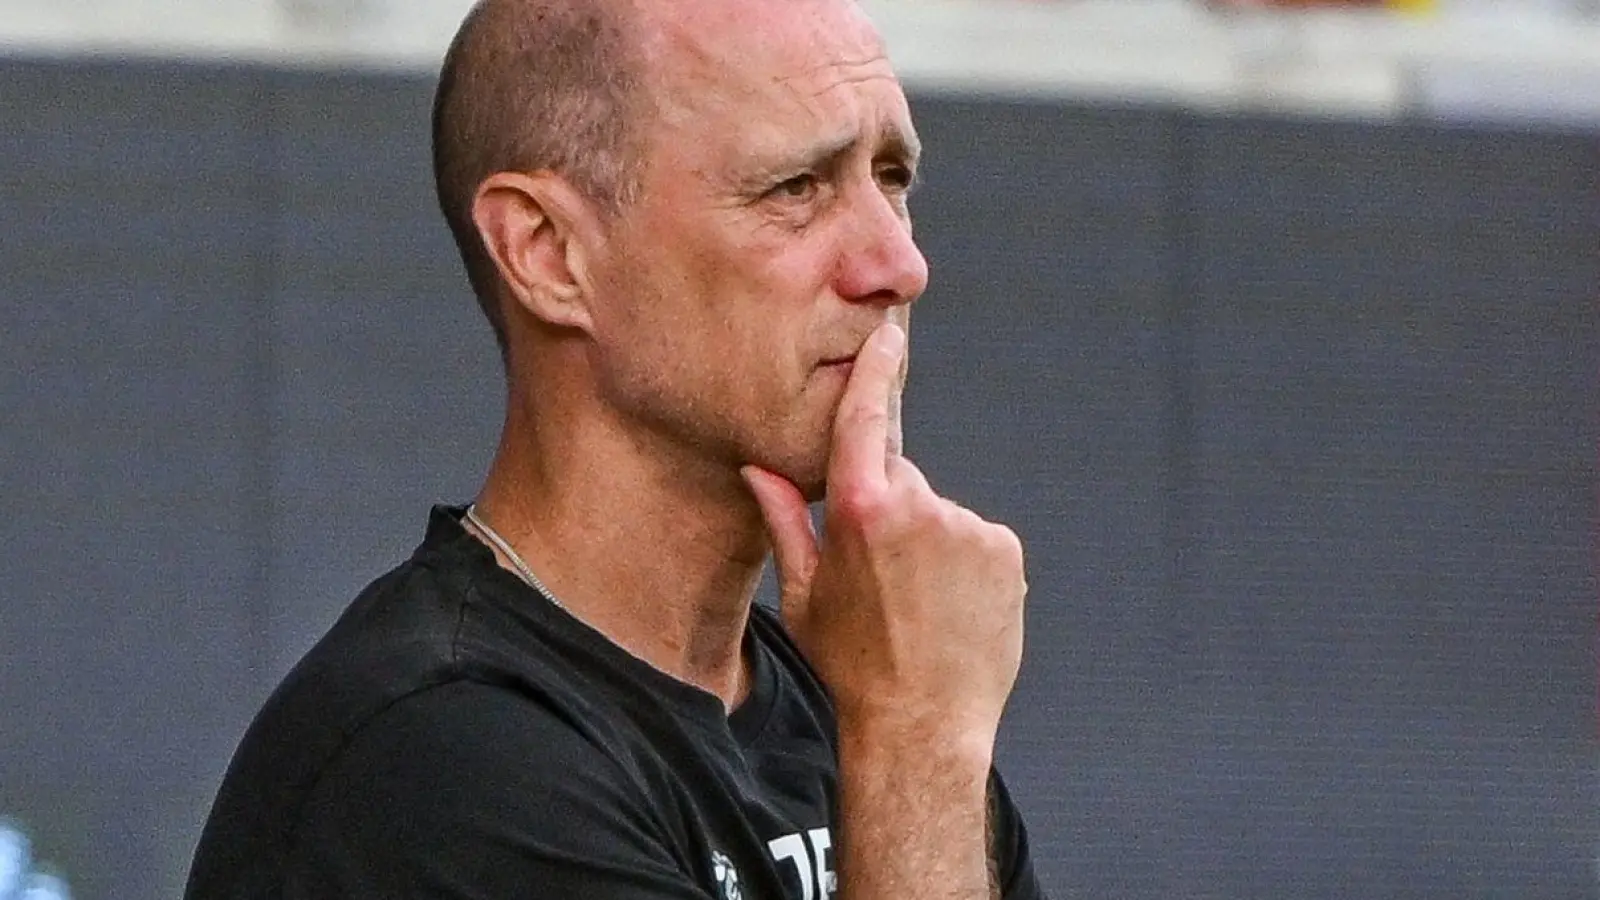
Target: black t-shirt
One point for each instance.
(455, 735)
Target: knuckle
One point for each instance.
(900, 469)
(970, 524)
(949, 517)
(908, 485)
(1008, 544)
(918, 514)
(904, 474)
(1005, 550)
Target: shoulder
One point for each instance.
(456, 776)
(393, 640)
(463, 740)
(396, 638)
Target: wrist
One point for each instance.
(913, 807)
(945, 746)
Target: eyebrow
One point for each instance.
(824, 153)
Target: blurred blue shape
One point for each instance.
(20, 879)
(45, 886)
(16, 859)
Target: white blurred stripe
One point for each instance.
(1370, 65)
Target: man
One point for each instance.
(687, 223)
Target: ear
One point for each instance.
(538, 230)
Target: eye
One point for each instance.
(800, 187)
(897, 177)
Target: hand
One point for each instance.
(910, 608)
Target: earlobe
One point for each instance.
(529, 234)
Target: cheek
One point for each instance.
(717, 325)
(666, 354)
(745, 316)
(636, 351)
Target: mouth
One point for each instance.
(838, 364)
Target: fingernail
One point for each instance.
(892, 338)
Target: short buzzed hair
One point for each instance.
(531, 85)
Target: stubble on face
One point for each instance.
(731, 302)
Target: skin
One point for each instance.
(675, 384)
(653, 355)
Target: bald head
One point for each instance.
(532, 85)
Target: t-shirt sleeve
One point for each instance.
(1017, 878)
(471, 792)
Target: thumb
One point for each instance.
(794, 540)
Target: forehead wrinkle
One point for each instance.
(853, 79)
(863, 62)
(695, 68)
(890, 131)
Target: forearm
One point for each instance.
(913, 818)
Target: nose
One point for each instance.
(880, 263)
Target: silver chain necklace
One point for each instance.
(503, 546)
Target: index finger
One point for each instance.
(866, 427)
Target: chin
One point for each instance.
(814, 490)
(800, 456)
(807, 472)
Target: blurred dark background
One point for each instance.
(1297, 418)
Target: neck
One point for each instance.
(661, 557)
